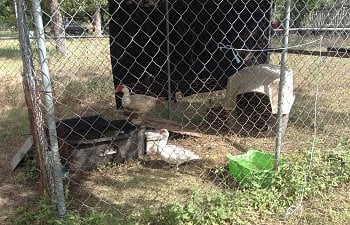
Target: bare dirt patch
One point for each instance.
(15, 189)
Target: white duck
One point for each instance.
(153, 140)
(173, 154)
(137, 104)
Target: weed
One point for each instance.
(29, 171)
(330, 170)
(45, 214)
(211, 208)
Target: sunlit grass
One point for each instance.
(82, 85)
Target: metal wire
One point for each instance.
(220, 45)
(211, 58)
(290, 210)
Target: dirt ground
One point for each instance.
(15, 187)
(15, 190)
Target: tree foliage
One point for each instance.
(7, 15)
(300, 9)
(82, 9)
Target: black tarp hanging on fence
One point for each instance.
(200, 32)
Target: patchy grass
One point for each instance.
(8, 33)
(15, 124)
(312, 42)
(10, 52)
(331, 207)
(133, 187)
(129, 194)
(331, 171)
(150, 191)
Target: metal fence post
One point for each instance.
(54, 157)
(196, 49)
(282, 83)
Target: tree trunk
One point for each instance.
(97, 24)
(57, 26)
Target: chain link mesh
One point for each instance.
(11, 75)
(222, 96)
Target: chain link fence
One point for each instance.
(10, 64)
(110, 77)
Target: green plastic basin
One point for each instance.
(254, 167)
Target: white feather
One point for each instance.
(173, 154)
(136, 103)
(153, 140)
(153, 135)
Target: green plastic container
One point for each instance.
(253, 167)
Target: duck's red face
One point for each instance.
(164, 131)
(119, 88)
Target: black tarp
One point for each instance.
(84, 142)
(198, 28)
